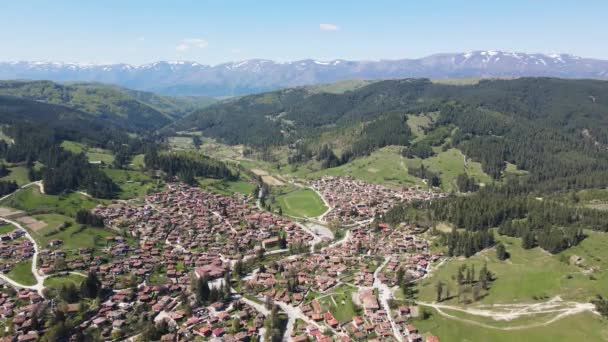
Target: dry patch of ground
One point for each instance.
(8, 212)
(271, 180)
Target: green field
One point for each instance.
(532, 274)
(384, 166)
(339, 87)
(302, 203)
(58, 281)
(73, 237)
(17, 174)
(22, 273)
(581, 327)
(418, 122)
(30, 199)
(449, 164)
(227, 188)
(132, 183)
(92, 153)
(6, 228)
(138, 162)
(181, 143)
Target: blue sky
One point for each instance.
(216, 31)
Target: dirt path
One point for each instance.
(509, 312)
(37, 183)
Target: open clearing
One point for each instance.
(418, 123)
(57, 282)
(449, 164)
(18, 174)
(533, 274)
(581, 327)
(132, 183)
(302, 203)
(30, 199)
(93, 154)
(226, 187)
(536, 296)
(74, 237)
(384, 166)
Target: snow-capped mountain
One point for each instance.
(256, 75)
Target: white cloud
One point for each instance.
(329, 27)
(189, 43)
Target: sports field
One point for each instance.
(302, 203)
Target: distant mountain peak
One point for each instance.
(257, 75)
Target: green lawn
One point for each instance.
(532, 273)
(58, 281)
(22, 273)
(343, 309)
(581, 327)
(73, 237)
(302, 203)
(30, 199)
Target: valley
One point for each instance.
(346, 228)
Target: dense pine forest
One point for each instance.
(553, 128)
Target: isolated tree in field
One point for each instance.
(439, 290)
(501, 252)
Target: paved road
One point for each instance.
(39, 286)
(384, 294)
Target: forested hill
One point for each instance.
(556, 129)
(68, 123)
(128, 109)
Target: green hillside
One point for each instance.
(127, 108)
(555, 129)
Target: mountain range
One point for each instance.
(259, 75)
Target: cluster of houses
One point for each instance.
(14, 247)
(183, 233)
(20, 308)
(355, 201)
(351, 264)
(192, 219)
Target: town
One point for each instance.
(258, 269)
